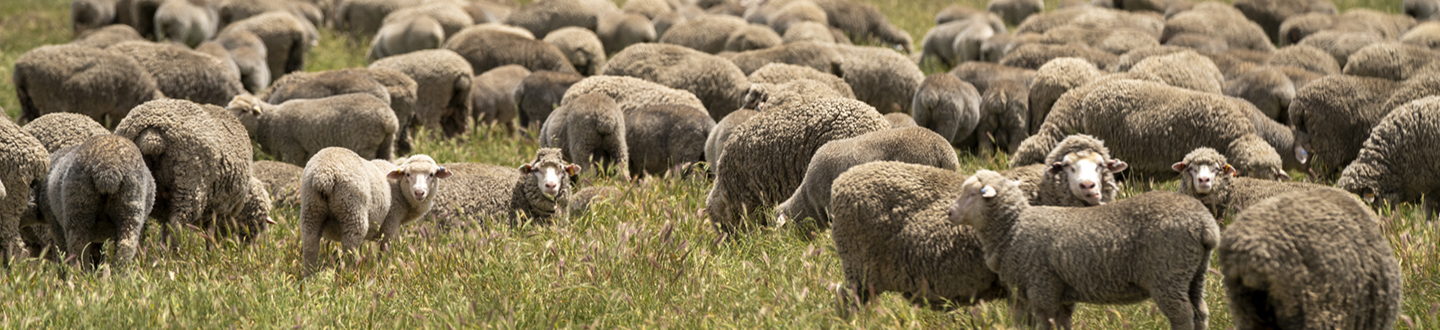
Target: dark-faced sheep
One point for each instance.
(809, 205)
(48, 78)
(442, 80)
(98, 190)
(349, 199)
(295, 130)
(719, 84)
(1393, 166)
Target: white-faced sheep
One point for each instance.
(98, 190)
(287, 39)
(537, 191)
(947, 106)
(1155, 246)
(666, 137)
(442, 80)
(540, 93)
(1394, 164)
(1079, 172)
(487, 49)
(715, 141)
(1206, 175)
(590, 130)
(1310, 260)
(27, 163)
(297, 129)
(349, 199)
(492, 95)
(48, 78)
(581, 47)
(891, 235)
(719, 84)
(59, 130)
(183, 73)
(1332, 118)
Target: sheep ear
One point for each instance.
(1282, 175)
(572, 169)
(1179, 167)
(1055, 168)
(1116, 165)
(396, 174)
(268, 220)
(526, 169)
(1230, 170)
(442, 173)
(1302, 155)
(987, 192)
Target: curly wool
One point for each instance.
(581, 47)
(442, 79)
(1231, 195)
(779, 73)
(27, 163)
(396, 88)
(479, 191)
(882, 78)
(282, 181)
(183, 73)
(663, 138)
(59, 130)
(1394, 165)
(1332, 118)
(98, 184)
(47, 79)
(1185, 69)
(486, 49)
(808, 205)
(719, 84)
(947, 106)
(1394, 61)
(1054, 79)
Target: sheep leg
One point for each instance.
(1197, 295)
(389, 231)
(313, 213)
(386, 150)
(1046, 308)
(402, 140)
(77, 242)
(1175, 304)
(130, 224)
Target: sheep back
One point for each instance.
(487, 49)
(661, 138)
(1394, 164)
(185, 74)
(59, 130)
(442, 79)
(1333, 116)
(719, 84)
(48, 78)
(810, 202)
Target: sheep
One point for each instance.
(891, 234)
(1220, 21)
(764, 96)
(900, 120)
(808, 206)
(1131, 5)
(959, 12)
(1333, 117)
(488, 49)
(586, 198)
(346, 198)
(1384, 170)
(1296, 28)
(189, 23)
(661, 138)
(648, 8)
(864, 21)
(87, 15)
(105, 36)
(1035, 250)
(751, 37)
(538, 191)
(1393, 60)
(1267, 88)
(1079, 172)
(795, 12)
(247, 51)
(539, 93)
(1094, 17)
(1305, 57)
(631, 93)
(294, 131)
(780, 73)
(442, 80)
(1014, 11)
(706, 34)
(230, 11)
(620, 31)
(1004, 114)
(581, 47)
(1314, 259)
(59, 130)
(715, 141)
(995, 48)
(1115, 41)
(200, 158)
(1422, 9)
(183, 73)
(1051, 81)
(957, 41)
(590, 130)
(96, 191)
(1032, 56)
(449, 15)
(882, 78)
(1269, 14)
(386, 84)
(1198, 42)
(717, 83)
(281, 180)
(26, 164)
(811, 32)
(140, 15)
(400, 37)
(819, 56)
(1424, 35)
(1185, 69)
(502, 28)
(545, 16)
(493, 94)
(1206, 175)
(982, 74)
(47, 79)
(287, 39)
(364, 17)
(1389, 26)
(738, 193)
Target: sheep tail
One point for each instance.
(108, 179)
(150, 142)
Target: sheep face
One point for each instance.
(419, 175)
(550, 174)
(247, 109)
(976, 196)
(1084, 173)
(1201, 174)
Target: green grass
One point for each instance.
(647, 260)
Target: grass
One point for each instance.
(647, 260)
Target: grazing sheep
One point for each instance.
(346, 198)
(1054, 79)
(1314, 260)
(591, 196)
(1296, 28)
(882, 78)
(1134, 5)
(982, 74)
(1424, 35)
(87, 15)
(819, 56)
(716, 82)
(1219, 21)
(282, 180)
(808, 206)
(1332, 118)
(493, 94)
(248, 52)
(1014, 11)
(715, 141)
(442, 80)
(186, 22)
(1341, 44)
(234, 10)
(1207, 176)
(947, 106)
(864, 21)
(183, 73)
(400, 37)
(1393, 60)
(1004, 116)
(140, 15)
(751, 37)
(738, 194)
(620, 31)
(539, 93)
(105, 36)
(448, 14)
(48, 78)
(26, 163)
(1155, 246)
(544, 16)
(1386, 169)
(958, 41)
(1115, 41)
(795, 12)
(590, 130)
(1269, 14)
(631, 93)
(662, 138)
(98, 190)
(59, 130)
(1094, 17)
(765, 96)
(487, 49)
(1268, 88)
(995, 48)
(502, 28)
(811, 32)
(200, 158)
(780, 73)
(959, 12)
(891, 235)
(364, 17)
(648, 8)
(287, 39)
(581, 47)
(1185, 69)
(538, 191)
(295, 130)
(1032, 56)
(386, 84)
(1306, 57)
(1422, 9)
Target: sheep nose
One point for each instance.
(551, 185)
(419, 194)
(1087, 185)
(1204, 180)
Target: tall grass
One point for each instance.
(646, 260)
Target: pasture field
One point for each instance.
(648, 260)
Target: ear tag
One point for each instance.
(987, 192)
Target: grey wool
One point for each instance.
(185, 22)
(632, 93)
(537, 191)
(665, 138)
(185, 74)
(959, 41)
(545, 16)
(1394, 61)
(59, 130)
(892, 235)
(590, 131)
(398, 37)
(819, 56)
(1032, 56)
(287, 39)
(581, 47)
(620, 31)
(1004, 118)
(739, 194)
(1156, 246)
(1332, 118)
(1306, 57)
(1078, 173)
(719, 84)
(487, 49)
(1316, 259)
(349, 199)
(539, 93)
(47, 79)
(1219, 21)
(810, 204)
(248, 52)
(882, 78)
(96, 191)
(780, 73)
(751, 37)
(1014, 11)
(281, 179)
(1185, 69)
(812, 32)
(364, 17)
(1422, 9)
(1394, 164)
(200, 158)
(1054, 79)
(492, 94)
(1269, 14)
(947, 106)
(715, 141)
(442, 80)
(1296, 28)
(1424, 35)
(391, 85)
(27, 163)
(1206, 175)
(294, 131)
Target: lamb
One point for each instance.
(294, 131)
(882, 78)
(186, 22)
(738, 194)
(26, 164)
(281, 180)
(581, 47)
(1078, 173)
(808, 206)
(1206, 175)
(287, 39)
(1393, 60)
(719, 84)
(488, 49)
(620, 31)
(248, 52)
(1054, 79)
(1014, 11)
(1269, 14)
(1344, 108)
(183, 73)
(386, 84)
(539, 93)
(1185, 69)
(947, 106)
(1004, 112)
(545, 16)
(780, 73)
(1219, 21)
(1032, 56)
(96, 191)
(442, 80)
(105, 36)
(493, 94)
(891, 235)
(1314, 259)
(346, 198)
(59, 130)
(662, 138)
(48, 78)
(715, 141)
(1043, 257)
(1393, 165)
(200, 158)
(538, 191)
(590, 130)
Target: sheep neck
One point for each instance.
(998, 231)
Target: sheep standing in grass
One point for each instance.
(1153, 246)
(48, 78)
(186, 22)
(539, 190)
(705, 34)
(1332, 118)
(248, 52)
(442, 80)
(632, 93)
(106, 36)
(662, 138)
(891, 234)
(492, 95)
(26, 164)
(810, 203)
(98, 190)
(590, 129)
(719, 84)
(545, 16)
(540, 93)
(715, 141)
(486, 49)
(581, 47)
(349, 199)
(295, 130)
(1004, 114)
(1269, 14)
(1054, 79)
(881, 77)
(1395, 165)
(620, 31)
(391, 85)
(1206, 175)
(287, 38)
(185, 74)
(1079, 172)
(864, 21)
(400, 37)
(1310, 260)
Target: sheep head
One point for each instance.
(419, 176)
(550, 171)
(1202, 173)
(978, 198)
(1084, 173)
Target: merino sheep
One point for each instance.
(1315, 259)
(1004, 116)
(1298, 27)
(493, 94)
(1014, 11)
(540, 93)
(59, 130)
(1394, 165)
(364, 17)
(581, 47)
(487, 49)
(809, 205)
(586, 198)
(997, 46)
(1115, 41)
(590, 130)
(450, 15)
(387, 84)
(763, 96)
(864, 21)
(538, 191)
(346, 198)
(183, 73)
(882, 78)
(105, 36)
(819, 56)
(140, 15)
(1185, 69)
(442, 80)
(1157, 246)
(648, 8)
(282, 180)
(811, 32)
(88, 15)
(900, 120)
(1332, 118)
(1393, 60)
(892, 236)
(98, 190)
(294, 131)
(1305, 57)
(620, 31)
(1032, 56)
(1078, 173)
(947, 106)
(230, 11)
(751, 37)
(737, 195)
(48, 78)
(1054, 79)
(287, 39)
(958, 41)
(1219, 21)
(780, 73)
(1424, 35)
(400, 37)
(248, 52)
(715, 141)
(1268, 88)
(1269, 14)
(1206, 175)
(186, 22)
(666, 137)
(1422, 9)
(632, 93)
(545, 16)
(982, 74)
(26, 164)
(719, 84)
